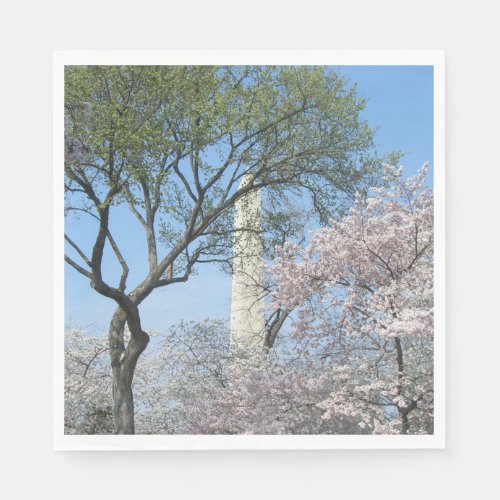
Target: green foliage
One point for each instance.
(178, 139)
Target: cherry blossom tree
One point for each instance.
(87, 384)
(363, 295)
(192, 382)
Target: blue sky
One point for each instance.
(400, 104)
(400, 108)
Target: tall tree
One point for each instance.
(172, 144)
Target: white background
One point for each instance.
(30, 31)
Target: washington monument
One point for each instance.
(247, 302)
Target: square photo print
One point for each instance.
(249, 250)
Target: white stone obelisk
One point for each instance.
(247, 303)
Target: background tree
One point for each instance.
(87, 384)
(191, 382)
(172, 144)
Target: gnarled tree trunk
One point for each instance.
(123, 363)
